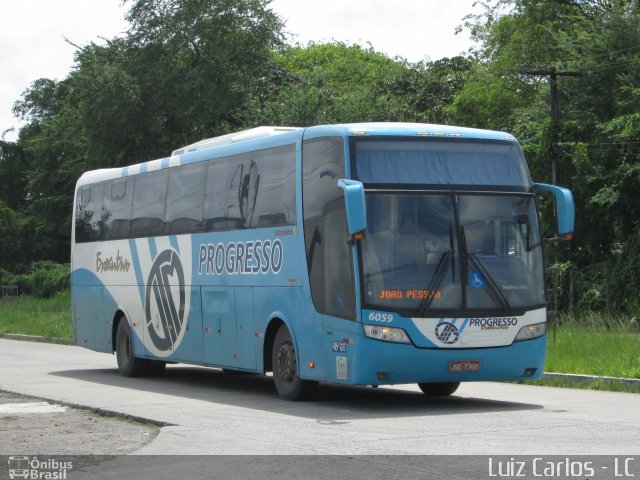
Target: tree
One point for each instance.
(182, 72)
(340, 83)
(196, 63)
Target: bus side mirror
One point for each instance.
(354, 205)
(565, 209)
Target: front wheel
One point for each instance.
(443, 389)
(128, 364)
(285, 369)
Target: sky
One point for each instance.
(37, 36)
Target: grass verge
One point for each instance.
(613, 353)
(50, 317)
(597, 384)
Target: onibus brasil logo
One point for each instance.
(165, 301)
(37, 468)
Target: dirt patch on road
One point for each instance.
(31, 426)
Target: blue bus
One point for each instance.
(360, 254)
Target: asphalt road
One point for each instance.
(210, 413)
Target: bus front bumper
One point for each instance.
(383, 363)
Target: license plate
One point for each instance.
(464, 365)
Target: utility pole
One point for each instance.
(553, 75)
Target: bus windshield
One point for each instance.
(430, 252)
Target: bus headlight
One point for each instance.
(529, 332)
(386, 334)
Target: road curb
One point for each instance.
(88, 408)
(35, 338)
(567, 377)
(572, 377)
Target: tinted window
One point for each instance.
(89, 213)
(275, 187)
(329, 258)
(441, 162)
(147, 216)
(117, 208)
(251, 190)
(221, 195)
(184, 199)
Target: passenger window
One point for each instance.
(251, 190)
(89, 213)
(184, 199)
(147, 216)
(117, 209)
(221, 195)
(272, 175)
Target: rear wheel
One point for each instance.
(443, 389)
(285, 369)
(128, 364)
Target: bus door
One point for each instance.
(227, 326)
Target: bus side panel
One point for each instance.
(290, 305)
(245, 334)
(125, 299)
(191, 347)
(219, 325)
(90, 324)
(88, 318)
(229, 338)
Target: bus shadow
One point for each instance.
(331, 403)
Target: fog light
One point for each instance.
(529, 372)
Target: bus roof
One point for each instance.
(269, 135)
(237, 137)
(406, 129)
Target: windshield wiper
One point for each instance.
(494, 291)
(435, 282)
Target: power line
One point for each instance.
(577, 57)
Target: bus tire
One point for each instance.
(128, 364)
(442, 389)
(285, 369)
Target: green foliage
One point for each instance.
(28, 315)
(575, 348)
(625, 281)
(329, 83)
(339, 83)
(42, 279)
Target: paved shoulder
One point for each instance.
(211, 413)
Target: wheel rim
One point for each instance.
(286, 362)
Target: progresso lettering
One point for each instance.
(241, 258)
(493, 323)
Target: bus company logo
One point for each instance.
(165, 295)
(447, 333)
